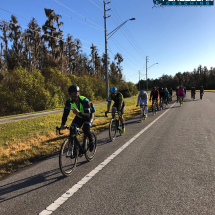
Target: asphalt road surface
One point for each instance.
(164, 165)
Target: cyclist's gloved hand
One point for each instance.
(63, 127)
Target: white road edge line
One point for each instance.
(57, 203)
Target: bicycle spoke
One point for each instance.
(67, 157)
(91, 149)
(112, 129)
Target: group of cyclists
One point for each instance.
(84, 115)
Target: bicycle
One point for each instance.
(71, 149)
(180, 100)
(154, 107)
(114, 126)
(193, 96)
(162, 104)
(201, 95)
(142, 113)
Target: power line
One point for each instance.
(127, 51)
(129, 40)
(97, 5)
(51, 28)
(77, 13)
(43, 34)
(128, 36)
(123, 61)
(128, 31)
(71, 17)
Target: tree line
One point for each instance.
(197, 78)
(37, 66)
(36, 48)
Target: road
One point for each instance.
(29, 116)
(165, 165)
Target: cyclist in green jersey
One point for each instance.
(118, 105)
(80, 106)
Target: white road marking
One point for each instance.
(208, 99)
(57, 203)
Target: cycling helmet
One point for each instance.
(141, 92)
(181, 87)
(201, 86)
(113, 90)
(177, 88)
(73, 89)
(161, 88)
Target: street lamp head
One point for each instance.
(133, 19)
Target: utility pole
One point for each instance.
(106, 55)
(146, 75)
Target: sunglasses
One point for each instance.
(73, 94)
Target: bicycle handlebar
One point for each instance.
(67, 127)
(111, 112)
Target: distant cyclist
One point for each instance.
(166, 95)
(177, 92)
(193, 92)
(201, 91)
(161, 95)
(143, 98)
(154, 95)
(118, 105)
(170, 91)
(181, 93)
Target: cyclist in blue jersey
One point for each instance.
(81, 107)
(118, 105)
(143, 98)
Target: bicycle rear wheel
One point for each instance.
(142, 115)
(68, 157)
(112, 129)
(90, 153)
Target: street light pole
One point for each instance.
(146, 73)
(106, 64)
(110, 35)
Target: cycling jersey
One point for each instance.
(154, 94)
(180, 92)
(142, 99)
(83, 106)
(117, 100)
(202, 90)
(166, 94)
(84, 118)
(161, 94)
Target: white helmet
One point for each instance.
(141, 92)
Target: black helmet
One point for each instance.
(73, 89)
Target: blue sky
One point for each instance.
(179, 39)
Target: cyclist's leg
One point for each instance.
(114, 109)
(146, 108)
(121, 117)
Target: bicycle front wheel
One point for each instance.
(68, 157)
(112, 129)
(91, 149)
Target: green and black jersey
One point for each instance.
(117, 100)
